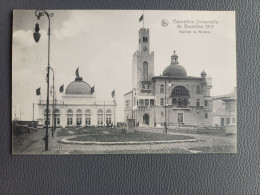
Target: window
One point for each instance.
(162, 89)
(228, 121)
(134, 100)
(162, 101)
(146, 102)
(69, 117)
(141, 102)
(198, 114)
(180, 117)
(108, 117)
(57, 116)
(198, 102)
(145, 71)
(88, 120)
(233, 120)
(69, 121)
(174, 101)
(88, 117)
(79, 117)
(100, 117)
(180, 91)
(206, 115)
(206, 103)
(57, 121)
(151, 102)
(145, 39)
(126, 103)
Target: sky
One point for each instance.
(102, 43)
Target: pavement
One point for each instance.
(206, 143)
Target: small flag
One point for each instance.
(113, 93)
(141, 18)
(77, 72)
(38, 91)
(92, 89)
(61, 88)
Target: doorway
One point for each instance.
(146, 119)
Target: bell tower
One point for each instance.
(143, 65)
(144, 40)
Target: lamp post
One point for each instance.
(53, 103)
(37, 35)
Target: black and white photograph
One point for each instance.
(123, 82)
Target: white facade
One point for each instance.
(78, 107)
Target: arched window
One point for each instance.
(69, 111)
(45, 111)
(100, 117)
(108, 117)
(145, 71)
(57, 117)
(174, 101)
(162, 89)
(69, 117)
(180, 91)
(79, 117)
(88, 111)
(88, 117)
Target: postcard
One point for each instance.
(123, 82)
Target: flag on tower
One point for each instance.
(113, 93)
(38, 91)
(141, 18)
(92, 89)
(61, 88)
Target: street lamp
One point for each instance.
(53, 103)
(37, 35)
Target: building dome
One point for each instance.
(174, 69)
(78, 87)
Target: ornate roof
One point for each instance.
(174, 69)
(78, 86)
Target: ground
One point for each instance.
(143, 140)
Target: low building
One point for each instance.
(225, 109)
(78, 107)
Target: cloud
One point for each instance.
(78, 23)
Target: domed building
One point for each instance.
(78, 107)
(173, 98)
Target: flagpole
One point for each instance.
(143, 18)
(33, 111)
(104, 114)
(114, 111)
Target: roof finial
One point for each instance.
(174, 58)
(78, 78)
